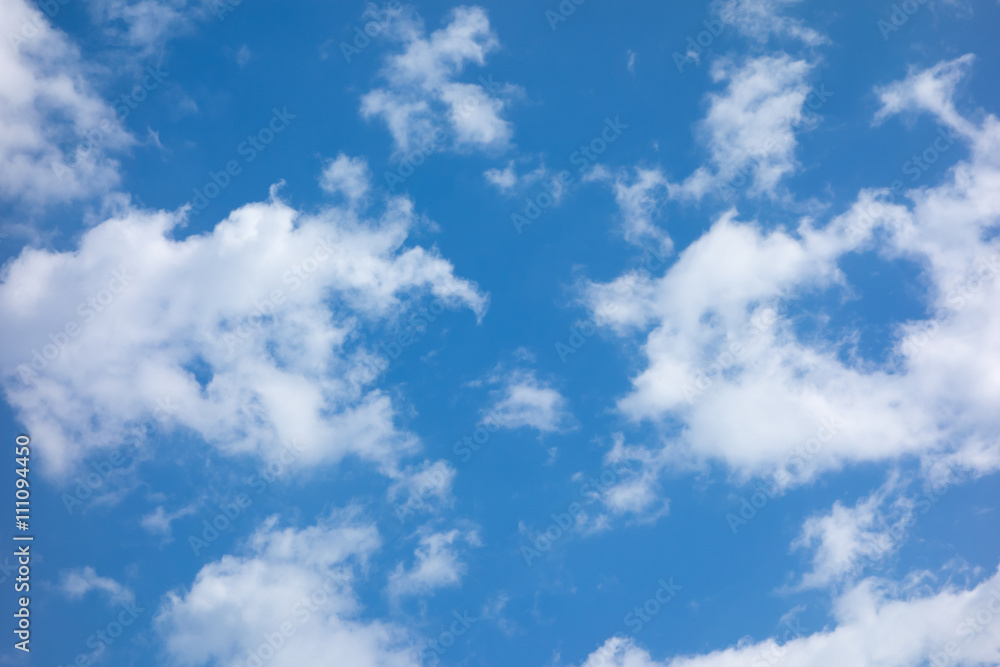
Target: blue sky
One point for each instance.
(558, 334)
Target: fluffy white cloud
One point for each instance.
(289, 600)
(438, 563)
(504, 179)
(526, 401)
(639, 200)
(253, 330)
(55, 131)
(347, 176)
(424, 105)
(725, 363)
(848, 538)
(750, 127)
(873, 625)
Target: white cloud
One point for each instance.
(847, 538)
(526, 401)
(423, 105)
(873, 625)
(931, 90)
(268, 305)
(289, 600)
(763, 19)
(147, 25)
(511, 183)
(504, 179)
(628, 488)
(426, 487)
(639, 202)
(243, 55)
(55, 131)
(348, 176)
(79, 582)
(160, 521)
(437, 565)
(635, 490)
(750, 127)
(724, 361)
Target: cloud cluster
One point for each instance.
(724, 360)
(253, 329)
